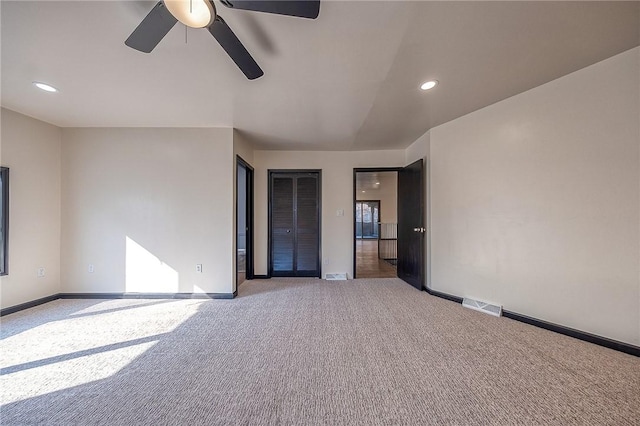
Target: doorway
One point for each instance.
(294, 223)
(406, 237)
(244, 221)
(375, 223)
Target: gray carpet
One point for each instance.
(303, 352)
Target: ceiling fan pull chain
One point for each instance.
(186, 30)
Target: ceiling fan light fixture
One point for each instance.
(192, 13)
(429, 84)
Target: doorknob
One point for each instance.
(420, 229)
(288, 231)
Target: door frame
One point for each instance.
(249, 271)
(357, 170)
(271, 172)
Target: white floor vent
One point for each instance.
(336, 277)
(487, 308)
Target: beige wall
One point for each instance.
(144, 206)
(31, 149)
(387, 193)
(242, 147)
(535, 201)
(337, 194)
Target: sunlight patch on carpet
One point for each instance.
(57, 376)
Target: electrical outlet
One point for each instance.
(41, 272)
(199, 267)
(91, 268)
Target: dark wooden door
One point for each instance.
(411, 230)
(244, 221)
(294, 248)
(282, 248)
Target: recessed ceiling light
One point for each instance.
(429, 84)
(363, 191)
(377, 183)
(44, 86)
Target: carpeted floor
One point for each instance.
(303, 352)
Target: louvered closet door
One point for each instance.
(307, 226)
(295, 224)
(282, 225)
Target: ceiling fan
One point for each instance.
(202, 14)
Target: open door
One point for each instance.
(244, 221)
(411, 230)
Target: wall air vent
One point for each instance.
(336, 277)
(485, 307)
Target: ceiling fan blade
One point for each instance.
(300, 8)
(234, 48)
(152, 29)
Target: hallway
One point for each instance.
(367, 263)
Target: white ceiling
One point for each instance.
(375, 181)
(345, 81)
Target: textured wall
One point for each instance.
(535, 201)
(144, 206)
(31, 149)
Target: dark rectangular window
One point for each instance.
(367, 219)
(4, 219)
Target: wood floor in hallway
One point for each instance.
(367, 263)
